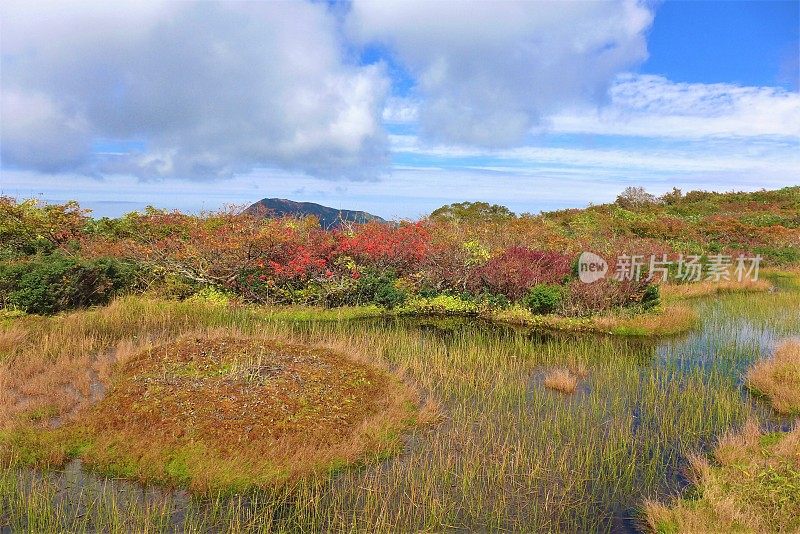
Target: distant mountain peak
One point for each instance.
(328, 217)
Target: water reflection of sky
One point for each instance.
(725, 338)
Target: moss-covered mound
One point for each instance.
(228, 413)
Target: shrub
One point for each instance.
(544, 298)
(212, 295)
(585, 299)
(442, 304)
(382, 246)
(494, 301)
(473, 212)
(779, 255)
(54, 283)
(29, 227)
(516, 270)
(635, 197)
(651, 297)
(380, 289)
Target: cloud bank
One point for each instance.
(487, 72)
(653, 106)
(278, 93)
(211, 89)
(207, 89)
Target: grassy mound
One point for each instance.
(227, 413)
(709, 288)
(751, 487)
(778, 378)
(664, 321)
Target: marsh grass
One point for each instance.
(505, 453)
(778, 378)
(751, 486)
(706, 288)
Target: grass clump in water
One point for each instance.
(752, 486)
(778, 378)
(561, 380)
(665, 320)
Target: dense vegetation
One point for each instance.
(467, 255)
(263, 410)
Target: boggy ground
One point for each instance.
(216, 409)
(753, 485)
(509, 454)
(224, 411)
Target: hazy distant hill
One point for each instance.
(328, 217)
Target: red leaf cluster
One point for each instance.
(517, 269)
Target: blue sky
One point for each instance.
(742, 42)
(395, 107)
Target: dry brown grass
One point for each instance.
(752, 487)
(733, 447)
(74, 375)
(707, 287)
(672, 319)
(561, 380)
(778, 378)
(578, 368)
(63, 363)
(11, 338)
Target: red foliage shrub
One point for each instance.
(517, 269)
(585, 299)
(401, 248)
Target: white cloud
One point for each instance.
(212, 88)
(36, 130)
(760, 161)
(487, 72)
(247, 89)
(401, 111)
(652, 106)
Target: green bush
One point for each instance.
(50, 284)
(651, 297)
(493, 300)
(779, 255)
(212, 295)
(379, 288)
(543, 298)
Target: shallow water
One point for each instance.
(437, 468)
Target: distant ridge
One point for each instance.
(328, 217)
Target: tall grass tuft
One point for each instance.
(778, 378)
